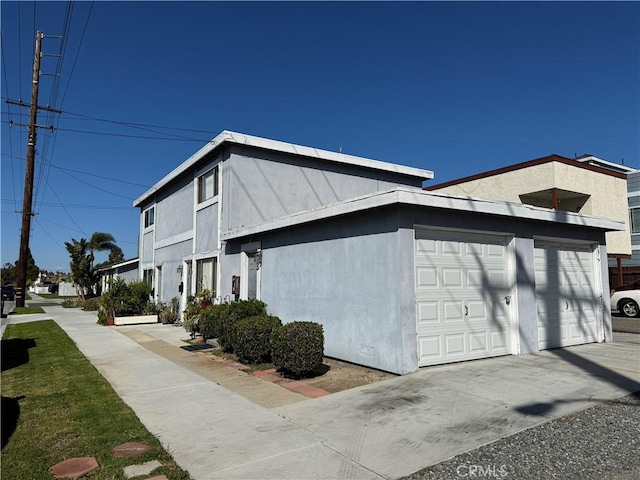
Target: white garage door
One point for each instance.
(463, 292)
(566, 295)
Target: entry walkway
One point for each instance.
(383, 430)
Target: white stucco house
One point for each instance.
(399, 277)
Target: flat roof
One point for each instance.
(227, 137)
(421, 198)
(527, 164)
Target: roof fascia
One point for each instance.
(421, 198)
(282, 147)
(527, 164)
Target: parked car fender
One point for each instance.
(626, 302)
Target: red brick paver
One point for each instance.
(74, 467)
(131, 449)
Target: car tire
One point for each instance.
(628, 308)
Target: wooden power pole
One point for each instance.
(28, 180)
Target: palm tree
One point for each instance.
(82, 255)
(101, 242)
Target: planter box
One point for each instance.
(135, 319)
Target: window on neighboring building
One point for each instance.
(635, 220)
(149, 217)
(147, 276)
(206, 275)
(208, 185)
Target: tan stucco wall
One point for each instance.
(608, 193)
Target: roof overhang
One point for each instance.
(227, 137)
(421, 198)
(118, 265)
(531, 163)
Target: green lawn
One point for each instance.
(54, 295)
(25, 310)
(55, 405)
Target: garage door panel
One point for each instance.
(453, 311)
(428, 312)
(566, 295)
(427, 277)
(466, 285)
(454, 345)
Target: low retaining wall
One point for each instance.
(134, 319)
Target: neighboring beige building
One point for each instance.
(554, 182)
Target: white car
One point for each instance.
(626, 300)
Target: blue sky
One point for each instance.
(454, 87)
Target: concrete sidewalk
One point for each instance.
(384, 430)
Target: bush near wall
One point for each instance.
(251, 337)
(210, 318)
(235, 312)
(91, 304)
(297, 348)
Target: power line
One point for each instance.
(75, 60)
(125, 123)
(74, 205)
(84, 173)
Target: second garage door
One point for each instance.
(463, 296)
(566, 294)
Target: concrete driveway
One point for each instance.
(384, 430)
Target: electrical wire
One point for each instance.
(14, 158)
(75, 60)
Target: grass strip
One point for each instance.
(26, 310)
(56, 405)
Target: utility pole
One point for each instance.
(28, 179)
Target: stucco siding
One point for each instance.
(506, 186)
(207, 229)
(170, 258)
(344, 274)
(608, 197)
(259, 186)
(174, 210)
(147, 249)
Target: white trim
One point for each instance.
(181, 237)
(422, 198)
(245, 250)
(207, 203)
(635, 193)
(257, 142)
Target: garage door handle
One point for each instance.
(566, 305)
(466, 311)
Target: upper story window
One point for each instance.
(634, 213)
(208, 185)
(149, 217)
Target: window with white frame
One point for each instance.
(206, 275)
(149, 217)
(634, 213)
(208, 185)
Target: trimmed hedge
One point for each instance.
(251, 337)
(237, 311)
(298, 347)
(209, 320)
(91, 304)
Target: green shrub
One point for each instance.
(125, 298)
(297, 348)
(91, 304)
(209, 320)
(236, 311)
(102, 317)
(251, 337)
(69, 303)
